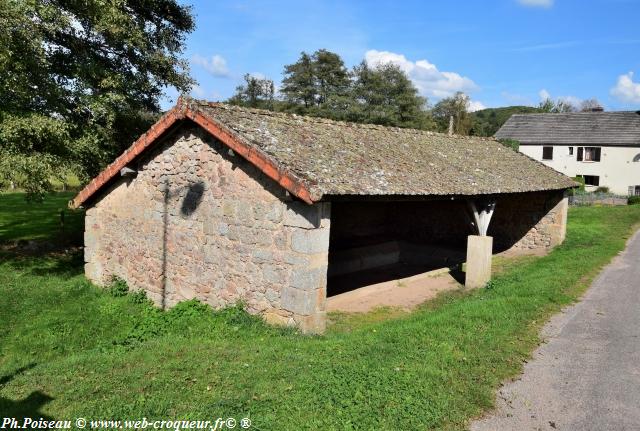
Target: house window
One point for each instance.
(571, 151)
(591, 180)
(547, 153)
(636, 191)
(589, 154)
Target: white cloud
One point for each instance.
(430, 81)
(216, 65)
(516, 99)
(200, 92)
(572, 100)
(546, 46)
(626, 90)
(475, 105)
(536, 3)
(544, 95)
(197, 92)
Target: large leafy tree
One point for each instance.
(319, 84)
(79, 80)
(256, 92)
(385, 95)
(454, 108)
(556, 107)
(298, 85)
(316, 84)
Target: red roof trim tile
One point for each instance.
(177, 113)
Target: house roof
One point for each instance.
(316, 158)
(598, 128)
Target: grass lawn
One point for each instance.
(20, 220)
(68, 349)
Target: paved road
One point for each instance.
(587, 374)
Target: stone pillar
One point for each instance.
(479, 252)
(93, 265)
(306, 294)
(558, 229)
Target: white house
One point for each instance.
(602, 147)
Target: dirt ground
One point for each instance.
(405, 293)
(408, 292)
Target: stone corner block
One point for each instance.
(310, 241)
(305, 278)
(93, 271)
(313, 324)
(276, 319)
(302, 215)
(303, 302)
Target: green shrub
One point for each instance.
(579, 179)
(491, 284)
(602, 190)
(138, 297)
(118, 287)
(633, 200)
(511, 143)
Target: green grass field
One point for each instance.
(22, 220)
(69, 349)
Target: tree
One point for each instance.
(486, 122)
(298, 85)
(80, 80)
(254, 93)
(590, 105)
(385, 95)
(559, 106)
(456, 106)
(320, 85)
(316, 84)
(331, 76)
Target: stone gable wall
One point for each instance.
(200, 222)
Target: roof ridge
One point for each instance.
(323, 120)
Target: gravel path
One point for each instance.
(586, 376)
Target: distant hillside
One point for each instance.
(486, 122)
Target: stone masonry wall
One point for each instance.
(527, 222)
(200, 222)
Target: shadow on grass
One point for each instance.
(64, 264)
(28, 407)
(50, 220)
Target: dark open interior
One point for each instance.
(373, 242)
(377, 241)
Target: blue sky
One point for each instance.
(501, 52)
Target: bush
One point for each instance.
(602, 190)
(633, 200)
(118, 287)
(511, 143)
(579, 179)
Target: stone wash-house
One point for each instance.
(228, 204)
